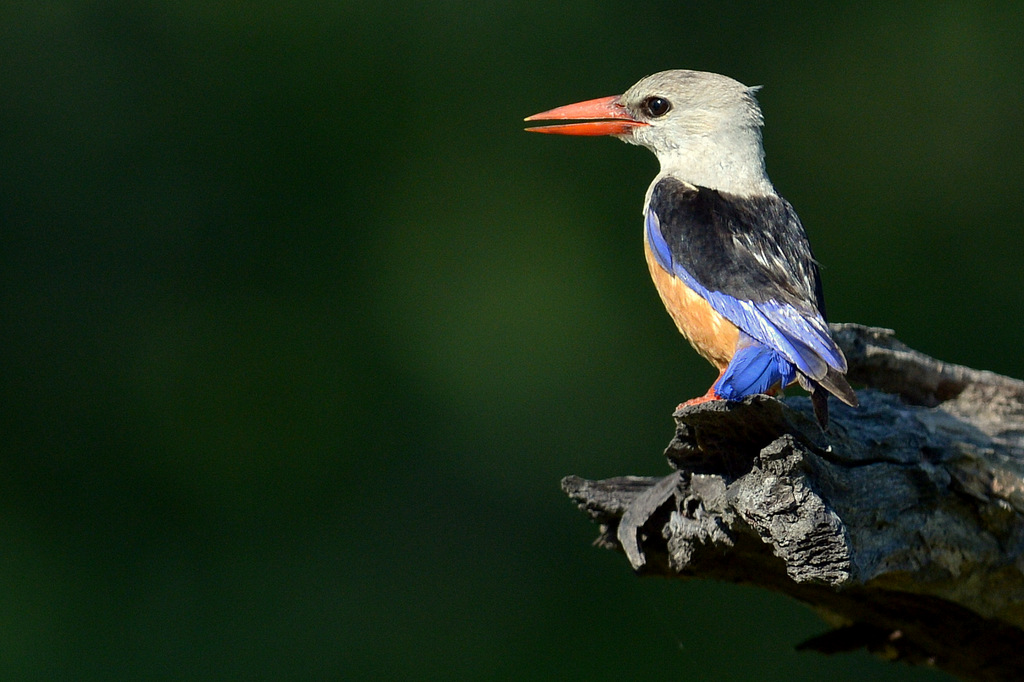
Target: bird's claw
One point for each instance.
(706, 398)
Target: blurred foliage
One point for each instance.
(301, 330)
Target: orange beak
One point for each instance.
(602, 116)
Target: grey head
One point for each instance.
(705, 129)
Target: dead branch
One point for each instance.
(903, 524)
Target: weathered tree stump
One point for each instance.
(903, 525)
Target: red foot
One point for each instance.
(706, 398)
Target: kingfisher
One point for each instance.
(728, 255)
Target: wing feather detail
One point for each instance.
(749, 258)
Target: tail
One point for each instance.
(836, 384)
(756, 368)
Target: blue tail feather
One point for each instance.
(754, 369)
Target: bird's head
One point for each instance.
(704, 127)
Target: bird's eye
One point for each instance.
(656, 106)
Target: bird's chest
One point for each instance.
(713, 336)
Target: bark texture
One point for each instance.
(903, 525)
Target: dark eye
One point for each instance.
(656, 106)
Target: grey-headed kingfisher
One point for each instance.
(728, 255)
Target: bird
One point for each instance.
(728, 255)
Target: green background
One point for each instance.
(300, 331)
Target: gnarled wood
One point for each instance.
(903, 524)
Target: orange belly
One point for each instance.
(713, 336)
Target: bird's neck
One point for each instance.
(733, 165)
